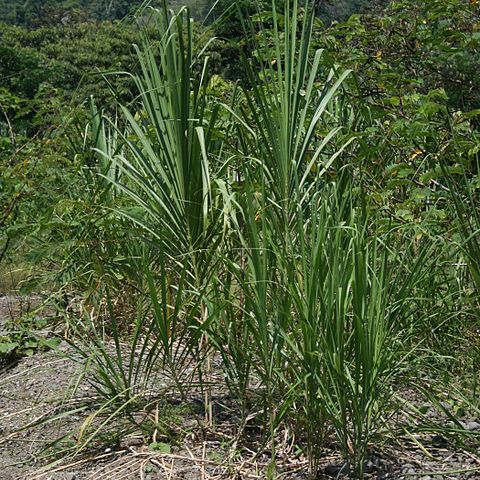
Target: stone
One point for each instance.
(472, 426)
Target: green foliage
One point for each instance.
(415, 46)
(464, 195)
(293, 223)
(415, 114)
(59, 63)
(35, 13)
(23, 340)
(262, 244)
(52, 13)
(340, 10)
(46, 74)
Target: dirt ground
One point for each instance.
(35, 388)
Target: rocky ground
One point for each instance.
(37, 408)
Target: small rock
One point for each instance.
(369, 466)
(472, 426)
(446, 405)
(408, 468)
(69, 476)
(438, 440)
(131, 442)
(334, 468)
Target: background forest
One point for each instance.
(273, 208)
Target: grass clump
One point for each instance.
(249, 244)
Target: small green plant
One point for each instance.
(22, 340)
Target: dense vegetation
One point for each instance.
(34, 13)
(293, 205)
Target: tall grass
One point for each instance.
(257, 246)
(464, 198)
